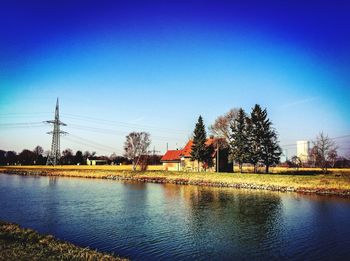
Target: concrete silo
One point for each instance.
(303, 147)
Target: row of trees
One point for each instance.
(249, 138)
(26, 157)
(37, 156)
(136, 153)
(254, 140)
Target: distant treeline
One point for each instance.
(340, 162)
(37, 156)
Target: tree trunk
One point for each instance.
(134, 164)
(198, 165)
(324, 169)
(241, 167)
(267, 169)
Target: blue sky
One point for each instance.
(120, 66)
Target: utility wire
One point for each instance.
(126, 124)
(88, 145)
(108, 131)
(23, 113)
(114, 132)
(81, 127)
(93, 142)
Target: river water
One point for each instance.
(172, 222)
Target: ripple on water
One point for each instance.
(153, 221)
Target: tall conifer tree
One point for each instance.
(239, 139)
(270, 150)
(262, 140)
(199, 150)
(255, 134)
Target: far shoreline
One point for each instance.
(319, 184)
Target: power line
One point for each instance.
(102, 147)
(80, 127)
(340, 137)
(111, 131)
(7, 126)
(22, 113)
(114, 132)
(20, 124)
(107, 122)
(126, 124)
(92, 142)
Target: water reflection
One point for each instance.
(225, 218)
(170, 222)
(53, 181)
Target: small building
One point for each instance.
(180, 160)
(172, 160)
(93, 162)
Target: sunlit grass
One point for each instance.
(295, 181)
(17, 243)
(338, 179)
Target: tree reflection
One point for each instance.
(52, 182)
(238, 218)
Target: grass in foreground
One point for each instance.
(17, 243)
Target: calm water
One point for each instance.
(170, 222)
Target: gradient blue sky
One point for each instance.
(157, 65)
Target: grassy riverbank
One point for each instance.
(336, 183)
(18, 243)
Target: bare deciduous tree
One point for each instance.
(296, 161)
(323, 152)
(67, 157)
(332, 157)
(86, 155)
(313, 157)
(135, 146)
(38, 150)
(222, 125)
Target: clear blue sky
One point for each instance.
(157, 65)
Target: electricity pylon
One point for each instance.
(55, 154)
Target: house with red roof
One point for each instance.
(172, 160)
(180, 160)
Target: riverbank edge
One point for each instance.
(17, 243)
(154, 177)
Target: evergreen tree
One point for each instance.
(239, 140)
(270, 151)
(263, 143)
(255, 132)
(208, 159)
(199, 150)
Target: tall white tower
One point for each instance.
(303, 147)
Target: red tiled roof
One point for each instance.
(186, 151)
(172, 155)
(175, 155)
